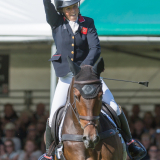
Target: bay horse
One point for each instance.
(83, 131)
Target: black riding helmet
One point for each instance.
(64, 3)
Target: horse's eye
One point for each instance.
(76, 94)
(76, 97)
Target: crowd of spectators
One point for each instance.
(146, 129)
(22, 136)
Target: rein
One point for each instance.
(79, 117)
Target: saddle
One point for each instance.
(57, 119)
(111, 113)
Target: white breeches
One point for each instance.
(60, 95)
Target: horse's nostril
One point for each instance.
(84, 138)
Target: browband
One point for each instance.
(88, 82)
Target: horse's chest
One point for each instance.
(77, 150)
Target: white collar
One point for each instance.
(72, 21)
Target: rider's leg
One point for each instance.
(60, 95)
(59, 100)
(48, 140)
(49, 137)
(109, 99)
(133, 149)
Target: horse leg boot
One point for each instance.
(133, 149)
(49, 140)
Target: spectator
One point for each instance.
(30, 151)
(3, 123)
(157, 114)
(9, 147)
(22, 124)
(31, 132)
(146, 141)
(152, 133)
(3, 154)
(33, 135)
(153, 150)
(9, 113)
(40, 112)
(148, 120)
(158, 155)
(135, 113)
(9, 130)
(1, 129)
(157, 138)
(41, 126)
(138, 129)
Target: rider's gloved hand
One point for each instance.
(45, 157)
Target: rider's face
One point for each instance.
(71, 12)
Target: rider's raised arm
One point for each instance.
(53, 18)
(94, 45)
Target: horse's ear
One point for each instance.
(75, 69)
(99, 66)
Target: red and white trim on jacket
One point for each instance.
(57, 55)
(81, 19)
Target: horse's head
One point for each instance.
(87, 97)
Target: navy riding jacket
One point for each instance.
(83, 47)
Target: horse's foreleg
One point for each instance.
(112, 149)
(74, 150)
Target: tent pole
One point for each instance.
(53, 76)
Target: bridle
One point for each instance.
(73, 106)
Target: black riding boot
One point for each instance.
(49, 137)
(49, 140)
(133, 149)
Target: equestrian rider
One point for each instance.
(75, 36)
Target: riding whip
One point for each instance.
(142, 83)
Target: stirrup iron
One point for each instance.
(137, 157)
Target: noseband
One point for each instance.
(87, 118)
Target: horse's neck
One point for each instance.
(71, 124)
